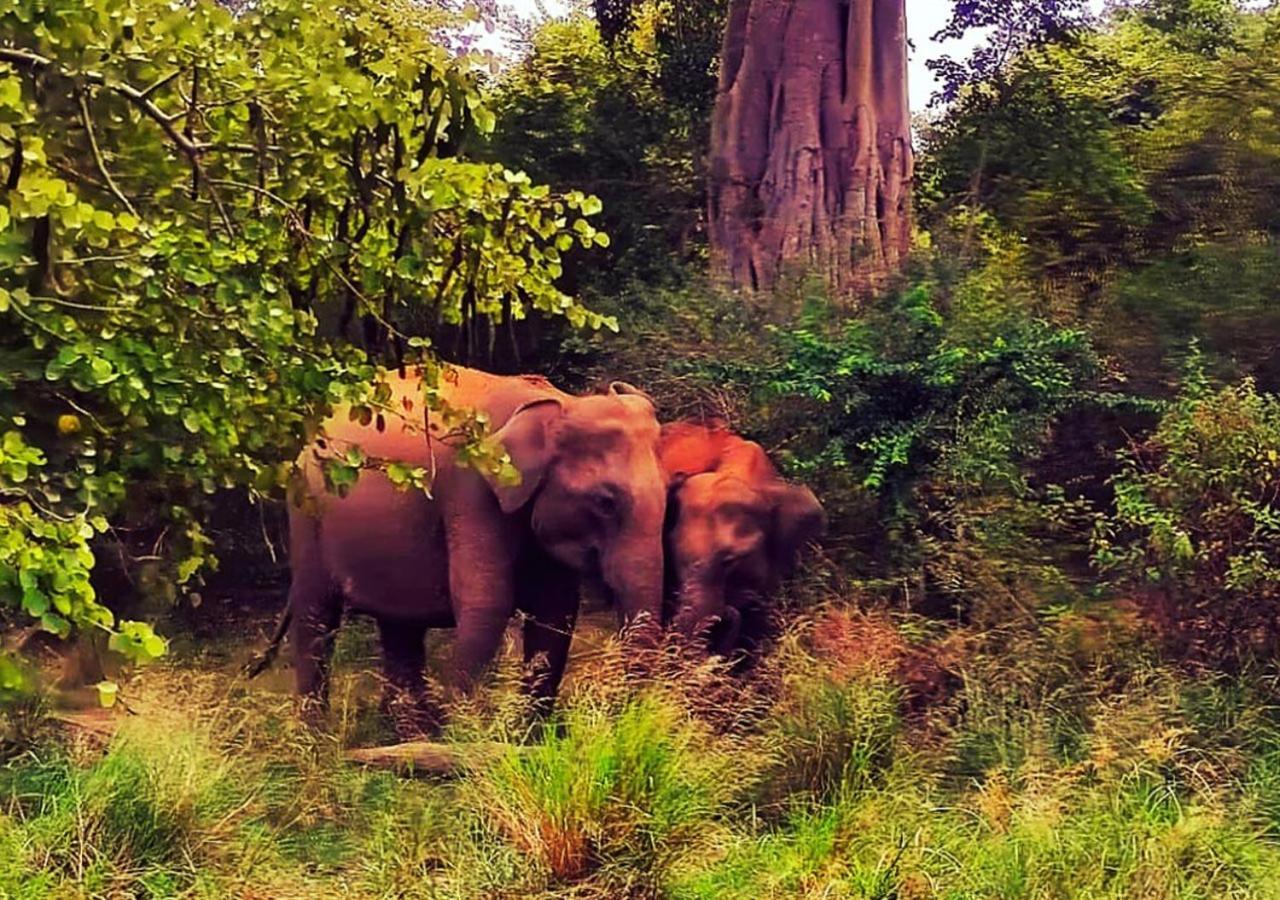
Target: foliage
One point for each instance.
(686, 43)
(914, 410)
(618, 797)
(908, 395)
(1079, 211)
(626, 121)
(223, 801)
(1138, 162)
(1197, 520)
(1012, 28)
(198, 205)
(832, 731)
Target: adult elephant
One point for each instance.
(734, 531)
(591, 499)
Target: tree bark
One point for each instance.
(811, 157)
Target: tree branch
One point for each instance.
(15, 167)
(87, 121)
(161, 83)
(138, 98)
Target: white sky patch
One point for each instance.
(924, 19)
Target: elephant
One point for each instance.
(590, 501)
(734, 531)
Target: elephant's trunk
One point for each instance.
(724, 637)
(704, 617)
(633, 572)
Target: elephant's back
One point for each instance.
(399, 428)
(691, 448)
(498, 396)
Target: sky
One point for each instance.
(924, 18)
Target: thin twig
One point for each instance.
(276, 198)
(216, 197)
(87, 121)
(84, 412)
(87, 307)
(161, 83)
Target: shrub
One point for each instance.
(834, 724)
(917, 418)
(618, 797)
(1149, 806)
(1196, 526)
(150, 807)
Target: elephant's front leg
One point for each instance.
(483, 546)
(548, 596)
(405, 699)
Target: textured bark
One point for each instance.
(811, 157)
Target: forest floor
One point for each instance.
(1055, 761)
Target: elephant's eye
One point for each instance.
(605, 502)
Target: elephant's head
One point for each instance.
(733, 534)
(593, 489)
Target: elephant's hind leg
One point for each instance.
(405, 697)
(317, 613)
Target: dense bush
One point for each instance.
(618, 799)
(578, 113)
(1137, 161)
(919, 418)
(1197, 522)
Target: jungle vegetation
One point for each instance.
(1035, 655)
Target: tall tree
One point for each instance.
(811, 157)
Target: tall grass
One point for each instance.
(619, 797)
(1052, 772)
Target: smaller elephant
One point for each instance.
(734, 531)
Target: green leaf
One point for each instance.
(35, 602)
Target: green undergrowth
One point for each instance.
(1062, 762)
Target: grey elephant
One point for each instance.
(591, 500)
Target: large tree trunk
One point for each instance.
(811, 158)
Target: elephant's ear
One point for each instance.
(798, 518)
(622, 389)
(529, 440)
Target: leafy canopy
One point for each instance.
(195, 207)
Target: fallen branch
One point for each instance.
(426, 758)
(98, 726)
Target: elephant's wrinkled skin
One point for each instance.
(591, 500)
(734, 530)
